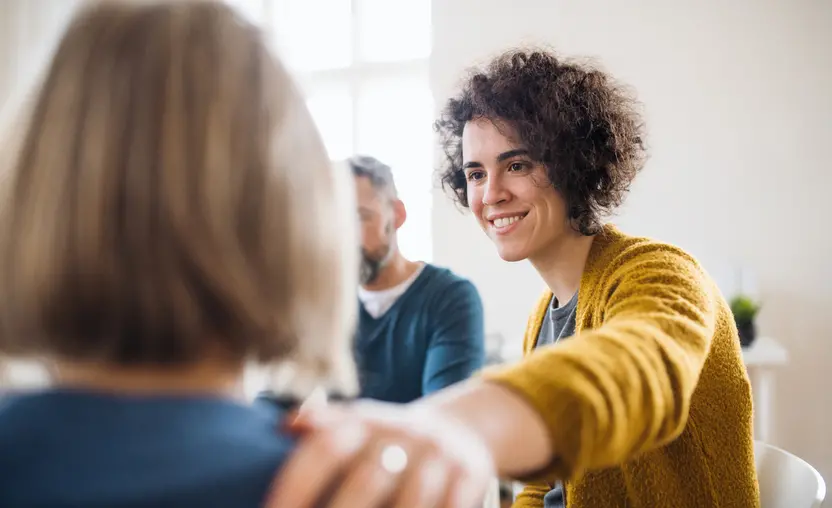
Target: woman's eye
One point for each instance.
(517, 166)
(475, 175)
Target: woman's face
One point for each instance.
(509, 193)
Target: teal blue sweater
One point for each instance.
(432, 337)
(62, 449)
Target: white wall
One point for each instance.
(739, 108)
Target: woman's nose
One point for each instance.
(494, 192)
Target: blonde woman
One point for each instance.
(169, 216)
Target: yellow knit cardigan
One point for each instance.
(649, 404)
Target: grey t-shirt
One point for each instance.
(558, 324)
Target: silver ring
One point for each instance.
(393, 459)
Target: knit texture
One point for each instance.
(649, 404)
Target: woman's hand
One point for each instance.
(380, 455)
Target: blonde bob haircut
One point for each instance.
(170, 195)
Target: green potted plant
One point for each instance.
(745, 311)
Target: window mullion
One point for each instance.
(353, 74)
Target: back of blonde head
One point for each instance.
(170, 195)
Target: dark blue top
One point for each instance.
(432, 337)
(62, 449)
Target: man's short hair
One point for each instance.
(379, 173)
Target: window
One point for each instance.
(363, 66)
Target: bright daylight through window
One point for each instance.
(363, 65)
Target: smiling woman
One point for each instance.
(510, 193)
(542, 150)
(590, 147)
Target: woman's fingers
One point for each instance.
(425, 484)
(382, 456)
(464, 491)
(370, 482)
(325, 452)
(421, 481)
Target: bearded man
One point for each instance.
(420, 326)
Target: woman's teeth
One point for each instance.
(506, 221)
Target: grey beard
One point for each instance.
(371, 264)
(369, 270)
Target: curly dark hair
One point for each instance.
(576, 120)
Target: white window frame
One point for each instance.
(355, 76)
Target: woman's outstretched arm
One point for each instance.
(593, 401)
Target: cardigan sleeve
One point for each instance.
(624, 387)
(532, 495)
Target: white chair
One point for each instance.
(492, 499)
(787, 481)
